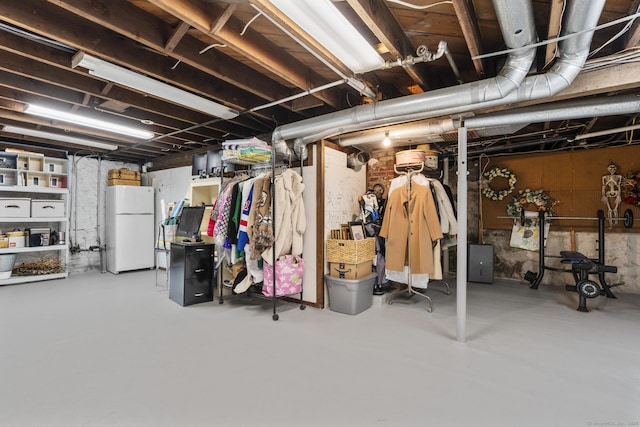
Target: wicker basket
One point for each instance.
(351, 251)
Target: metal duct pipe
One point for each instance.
(581, 15)
(604, 106)
(356, 160)
(518, 28)
(566, 110)
(401, 132)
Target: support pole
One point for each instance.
(461, 279)
(445, 180)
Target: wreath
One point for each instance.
(494, 173)
(527, 197)
(631, 189)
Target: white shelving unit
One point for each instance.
(60, 223)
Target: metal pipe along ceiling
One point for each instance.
(603, 106)
(581, 14)
(518, 28)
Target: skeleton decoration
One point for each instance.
(611, 193)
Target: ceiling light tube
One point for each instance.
(324, 22)
(77, 119)
(116, 74)
(58, 137)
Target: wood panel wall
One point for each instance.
(573, 178)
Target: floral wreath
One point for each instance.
(527, 197)
(496, 172)
(631, 189)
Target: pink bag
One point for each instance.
(289, 272)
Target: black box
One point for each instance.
(480, 263)
(40, 236)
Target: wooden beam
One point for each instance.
(555, 22)
(176, 36)
(251, 45)
(469, 26)
(223, 19)
(633, 35)
(123, 18)
(377, 16)
(41, 76)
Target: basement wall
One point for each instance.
(512, 263)
(88, 192)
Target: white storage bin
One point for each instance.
(15, 208)
(47, 208)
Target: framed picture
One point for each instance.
(356, 230)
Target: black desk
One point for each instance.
(191, 273)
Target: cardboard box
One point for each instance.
(343, 270)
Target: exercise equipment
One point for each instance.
(581, 267)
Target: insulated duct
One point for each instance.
(355, 161)
(603, 106)
(581, 15)
(408, 131)
(515, 18)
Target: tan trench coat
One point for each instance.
(425, 229)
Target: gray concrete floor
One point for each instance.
(106, 350)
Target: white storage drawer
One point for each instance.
(15, 207)
(47, 208)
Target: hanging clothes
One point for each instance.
(446, 213)
(290, 220)
(420, 210)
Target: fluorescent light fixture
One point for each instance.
(116, 74)
(58, 137)
(324, 22)
(77, 119)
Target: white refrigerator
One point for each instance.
(130, 229)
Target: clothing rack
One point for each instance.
(409, 171)
(256, 169)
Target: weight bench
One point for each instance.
(581, 267)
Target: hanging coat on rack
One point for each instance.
(290, 220)
(425, 232)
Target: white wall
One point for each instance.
(171, 185)
(88, 187)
